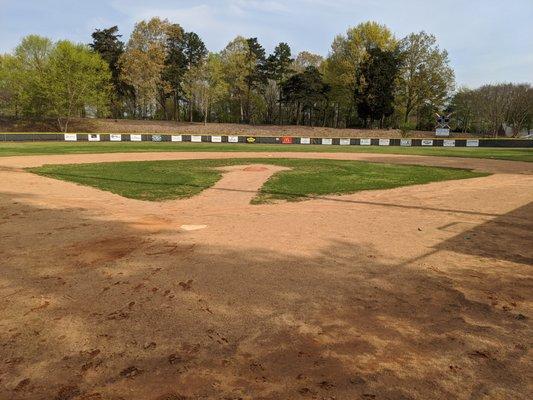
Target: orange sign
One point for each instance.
(286, 140)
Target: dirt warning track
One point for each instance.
(486, 165)
(420, 292)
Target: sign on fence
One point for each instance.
(448, 143)
(286, 140)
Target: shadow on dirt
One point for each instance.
(95, 309)
(485, 240)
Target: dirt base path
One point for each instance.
(421, 292)
(481, 164)
(237, 188)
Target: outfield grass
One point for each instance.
(43, 148)
(165, 180)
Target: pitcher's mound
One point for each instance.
(255, 169)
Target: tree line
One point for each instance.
(369, 79)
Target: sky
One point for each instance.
(488, 41)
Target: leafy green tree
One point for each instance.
(6, 89)
(142, 64)
(490, 109)
(76, 78)
(205, 85)
(27, 75)
(233, 58)
(166, 72)
(278, 68)
(33, 52)
(464, 109)
(425, 75)
(348, 52)
(306, 59)
(60, 80)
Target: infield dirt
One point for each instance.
(420, 292)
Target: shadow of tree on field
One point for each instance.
(95, 309)
(496, 238)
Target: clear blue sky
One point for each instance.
(488, 40)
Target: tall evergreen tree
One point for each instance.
(306, 91)
(107, 43)
(375, 87)
(175, 66)
(278, 67)
(195, 54)
(256, 76)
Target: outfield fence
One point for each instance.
(283, 140)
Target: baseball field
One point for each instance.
(181, 271)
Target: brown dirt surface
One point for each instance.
(478, 164)
(90, 125)
(420, 292)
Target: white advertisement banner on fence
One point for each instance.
(384, 142)
(472, 143)
(427, 142)
(196, 138)
(176, 138)
(157, 138)
(216, 139)
(233, 139)
(71, 137)
(344, 142)
(115, 137)
(405, 142)
(448, 143)
(305, 140)
(93, 137)
(136, 138)
(365, 142)
(327, 141)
